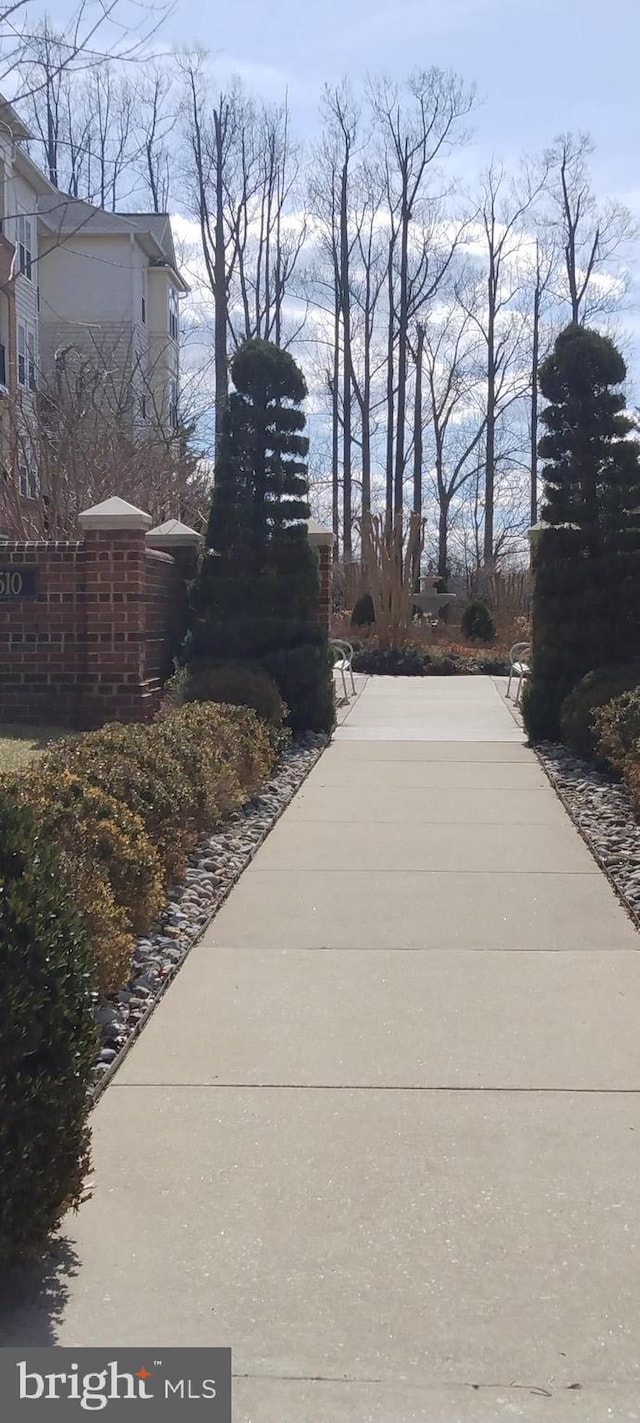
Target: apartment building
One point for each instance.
(109, 292)
(80, 288)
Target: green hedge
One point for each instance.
(577, 717)
(416, 662)
(617, 727)
(48, 1039)
(127, 805)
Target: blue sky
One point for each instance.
(540, 65)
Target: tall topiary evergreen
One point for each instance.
(256, 598)
(586, 605)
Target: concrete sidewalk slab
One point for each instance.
(303, 909)
(401, 690)
(433, 1238)
(437, 729)
(269, 1400)
(295, 1017)
(422, 805)
(430, 709)
(397, 775)
(509, 849)
(460, 752)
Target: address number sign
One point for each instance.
(18, 583)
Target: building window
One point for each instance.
(27, 481)
(31, 359)
(173, 404)
(173, 314)
(143, 406)
(22, 354)
(144, 311)
(26, 356)
(24, 242)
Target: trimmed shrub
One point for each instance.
(127, 804)
(364, 613)
(391, 662)
(477, 622)
(48, 1038)
(303, 675)
(240, 684)
(586, 600)
(257, 594)
(416, 662)
(135, 766)
(577, 716)
(179, 774)
(631, 778)
(84, 819)
(617, 726)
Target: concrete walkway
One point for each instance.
(383, 1134)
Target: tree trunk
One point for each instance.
(220, 293)
(490, 467)
(335, 423)
(390, 393)
(417, 427)
(443, 538)
(345, 301)
(402, 364)
(533, 510)
(365, 405)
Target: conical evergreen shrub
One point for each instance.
(257, 596)
(586, 603)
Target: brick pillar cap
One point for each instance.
(114, 514)
(173, 534)
(319, 534)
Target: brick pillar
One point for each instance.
(182, 544)
(116, 586)
(321, 539)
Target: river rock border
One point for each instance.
(601, 810)
(212, 872)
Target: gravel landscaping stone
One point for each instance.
(211, 874)
(601, 810)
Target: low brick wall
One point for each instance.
(95, 637)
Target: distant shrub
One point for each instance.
(240, 684)
(477, 622)
(413, 661)
(48, 1037)
(577, 714)
(392, 662)
(364, 613)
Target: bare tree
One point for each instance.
(453, 362)
(419, 127)
(157, 117)
(542, 274)
(504, 207)
(211, 138)
(341, 138)
(593, 237)
(82, 438)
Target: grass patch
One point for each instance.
(20, 744)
